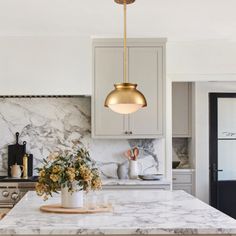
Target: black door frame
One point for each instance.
(213, 144)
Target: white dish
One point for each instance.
(151, 177)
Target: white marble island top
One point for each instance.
(135, 212)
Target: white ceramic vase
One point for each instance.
(72, 199)
(133, 169)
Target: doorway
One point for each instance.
(222, 140)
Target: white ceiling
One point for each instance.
(178, 20)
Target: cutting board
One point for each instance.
(15, 155)
(15, 151)
(56, 208)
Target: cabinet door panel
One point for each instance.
(181, 105)
(146, 69)
(182, 178)
(108, 69)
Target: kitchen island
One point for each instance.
(134, 212)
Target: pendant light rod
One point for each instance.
(125, 98)
(125, 42)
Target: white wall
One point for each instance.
(201, 61)
(62, 64)
(45, 65)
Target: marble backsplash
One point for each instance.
(50, 124)
(180, 151)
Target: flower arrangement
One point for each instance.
(63, 170)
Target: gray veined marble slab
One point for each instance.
(58, 124)
(135, 212)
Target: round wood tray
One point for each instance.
(57, 208)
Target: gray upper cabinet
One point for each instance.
(145, 70)
(181, 109)
(146, 67)
(108, 67)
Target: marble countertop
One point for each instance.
(134, 182)
(134, 212)
(183, 170)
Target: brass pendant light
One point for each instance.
(125, 98)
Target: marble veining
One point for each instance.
(134, 212)
(56, 124)
(134, 182)
(180, 152)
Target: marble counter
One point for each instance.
(135, 212)
(135, 183)
(183, 170)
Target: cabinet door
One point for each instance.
(108, 70)
(181, 108)
(146, 69)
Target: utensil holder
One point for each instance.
(133, 169)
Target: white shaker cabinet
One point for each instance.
(146, 71)
(146, 67)
(181, 109)
(108, 66)
(183, 179)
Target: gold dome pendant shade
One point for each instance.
(124, 2)
(125, 98)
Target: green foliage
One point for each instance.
(66, 169)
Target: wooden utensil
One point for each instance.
(136, 153)
(128, 154)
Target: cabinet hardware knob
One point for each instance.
(130, 132)
(14, 196)
(126, 132)
(5, 193)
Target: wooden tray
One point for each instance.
(56, 208)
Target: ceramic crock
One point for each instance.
(72, 199)
(133, 169)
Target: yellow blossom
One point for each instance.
(45, 197)
(71, 169)
(53, 156)
(42, 173)
(56, 169)
(97, 183)
(85, 173)
(54, 178)
(71, 173)
(40, 188)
